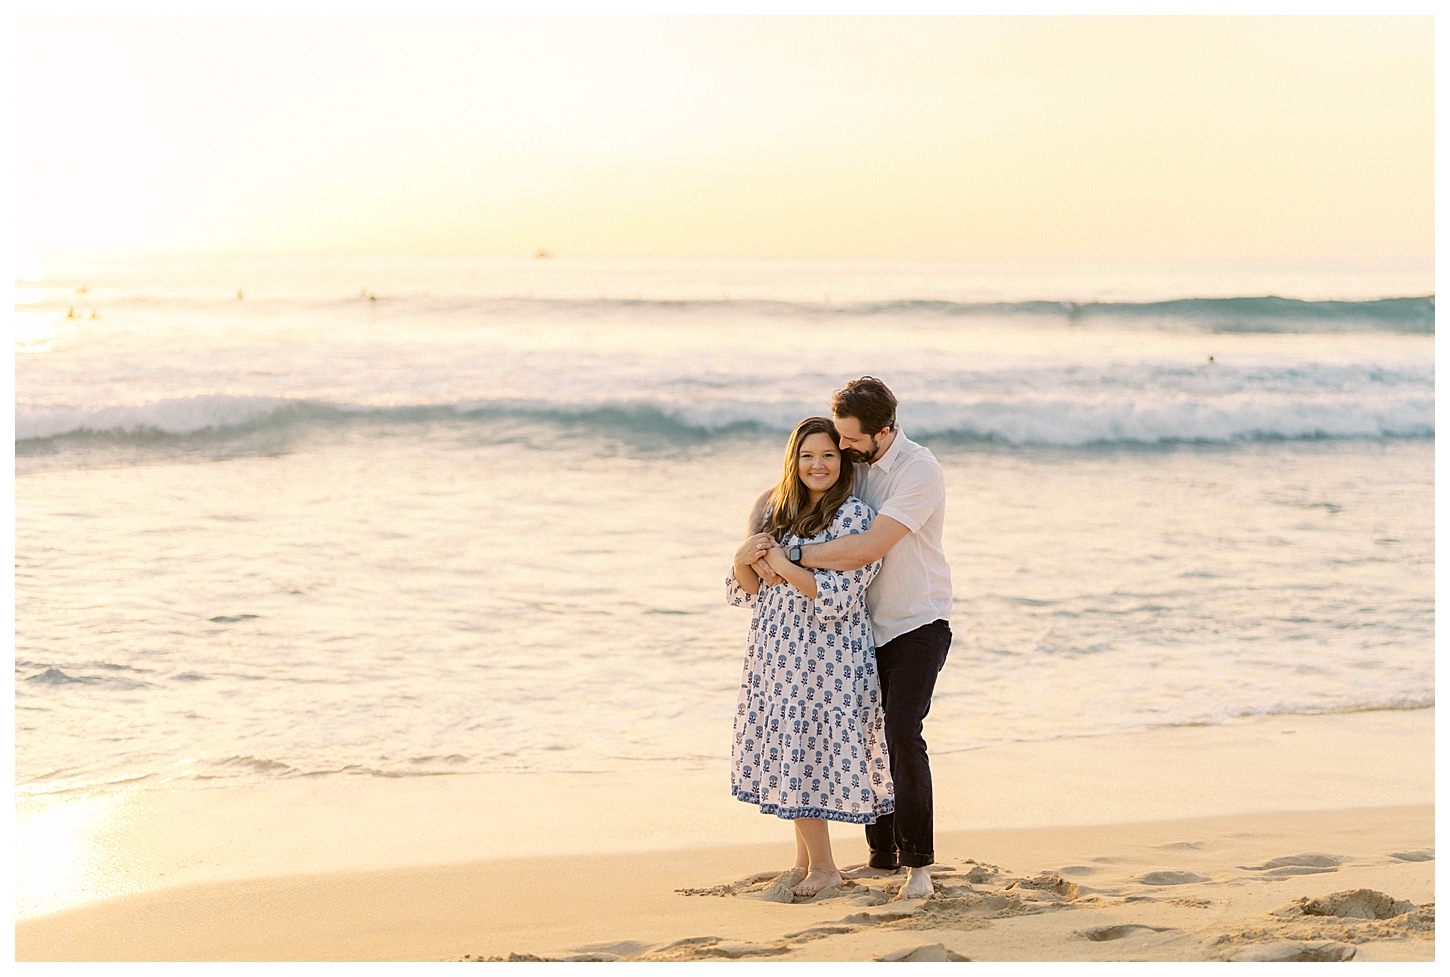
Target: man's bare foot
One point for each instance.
(816, 881)
(868, 872)
(917, 884)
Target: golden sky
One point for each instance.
(1062, 137)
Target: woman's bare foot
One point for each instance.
(781, 888)
(790, 879)
(868, 872)
(816, 881)
(917, 885)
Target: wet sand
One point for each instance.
(1279, 838)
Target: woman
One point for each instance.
(809, 745)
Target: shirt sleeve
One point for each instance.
(839, 591)
(736, 595)
(919, 492)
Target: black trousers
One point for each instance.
(908, 665)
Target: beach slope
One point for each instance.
(1283, 838)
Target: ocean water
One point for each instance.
(352, 516)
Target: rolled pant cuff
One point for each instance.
(887, 860)
(913, 860)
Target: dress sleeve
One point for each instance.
(736, 595)
(838, 591)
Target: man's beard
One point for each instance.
(851, 454)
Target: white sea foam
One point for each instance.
(181, 415)
(1061, 417)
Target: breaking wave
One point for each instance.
(1046, 418)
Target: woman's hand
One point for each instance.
(798, 577)
(751, 569)
(777, 559)
(767, 575)
(754, 548)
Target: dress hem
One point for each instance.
(796, 813)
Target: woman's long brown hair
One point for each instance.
(790, 504)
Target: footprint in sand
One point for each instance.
(1171, 878)
(735, 951)
(1047, 882)
(626, 948)
(1423, 855)
(931, 953)
(1295, 951)
(1280, 868)
(1349, 904)
(979, 873)
(886, 914)
(1105, 933)
(818, 933)
(702, 947)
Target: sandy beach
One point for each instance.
(388, 411)
(1280, 838)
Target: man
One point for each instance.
(910, 602)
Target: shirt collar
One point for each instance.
(893, 454)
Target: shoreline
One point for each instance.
(1193, 889)
(370, 870)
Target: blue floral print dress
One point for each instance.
(809, 733)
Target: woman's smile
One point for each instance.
(818, 464)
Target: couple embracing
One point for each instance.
(845, 574)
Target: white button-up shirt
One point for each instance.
(914, 586)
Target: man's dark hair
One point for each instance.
(869, 401)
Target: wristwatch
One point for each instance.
(794, 555)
